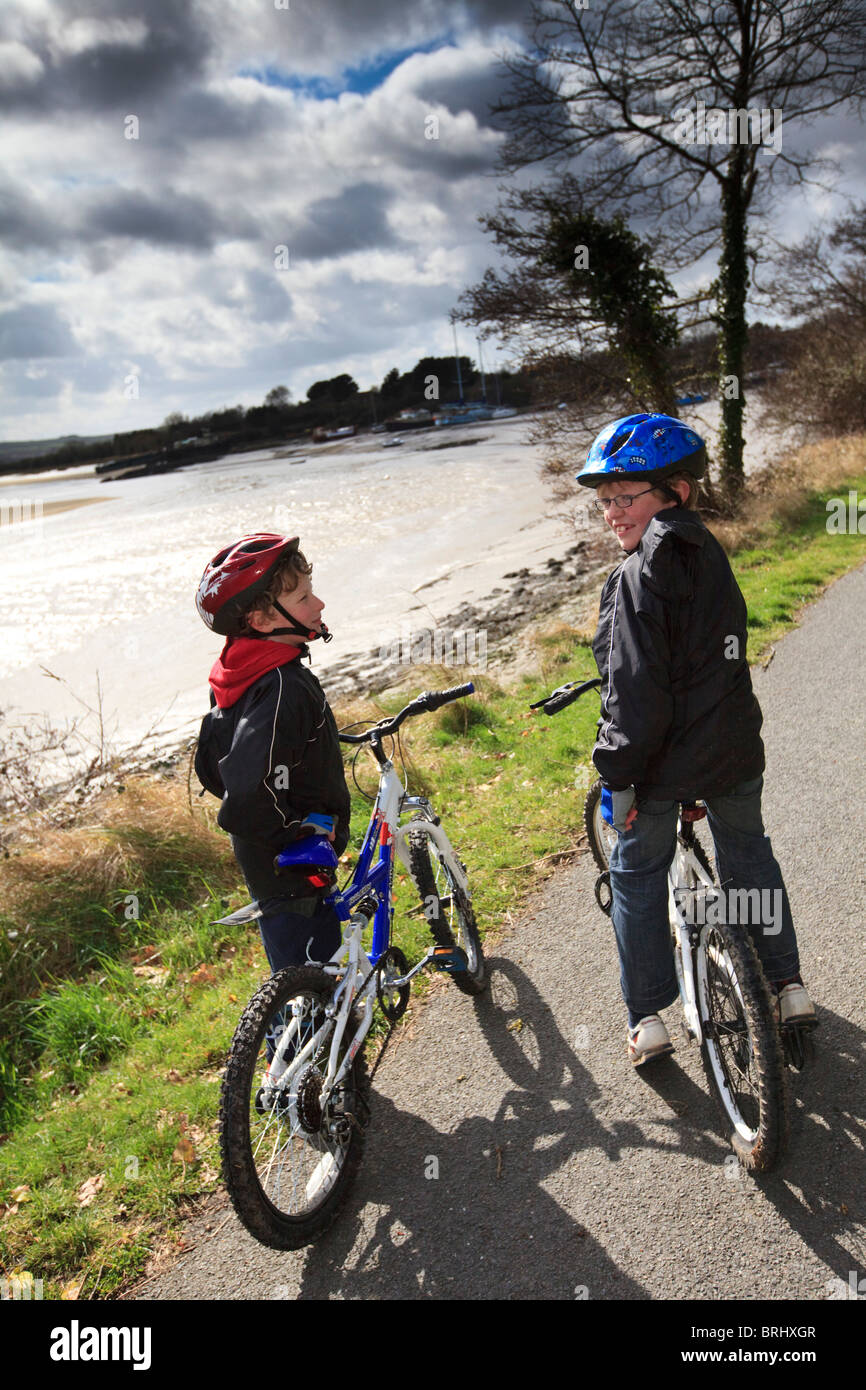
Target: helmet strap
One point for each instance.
(297, 629)
(669, 492)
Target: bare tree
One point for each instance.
(670, 113)
(822, 280)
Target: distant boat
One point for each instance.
(410, 420)
(464, 414)
(320, 435)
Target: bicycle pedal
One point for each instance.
(446, 958)
(604, 893)
(799, 1025)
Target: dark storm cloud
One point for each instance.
(495, 13)
(203, 115)
(474, 91)
(116, 71)
(172, 59)
(35, 330)
(171, 219)
(24, 222)
(350, 221)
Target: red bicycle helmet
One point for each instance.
(238, 574)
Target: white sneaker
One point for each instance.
(794, 1005)
(648, 1040)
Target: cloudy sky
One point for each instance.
(155, 258)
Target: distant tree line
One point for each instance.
(333, 403)
(816, 369)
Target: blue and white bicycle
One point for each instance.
(294, 1103)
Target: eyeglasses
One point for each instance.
(625, 499)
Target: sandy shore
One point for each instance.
(54, 508)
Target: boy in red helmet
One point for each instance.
(269, 746)
(679, 720)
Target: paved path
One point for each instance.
(561, 1169)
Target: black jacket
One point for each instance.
(679, 719)
(273, 757)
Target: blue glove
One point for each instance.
(316, 824)
(615, 806)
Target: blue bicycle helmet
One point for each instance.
(644, 446)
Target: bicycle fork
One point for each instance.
(684, 958)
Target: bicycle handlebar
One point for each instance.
(424, 703)
(565, 695)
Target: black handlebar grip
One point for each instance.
(560, 702)
(434, 699)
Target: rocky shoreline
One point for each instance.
(476, 632)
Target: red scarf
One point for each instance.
(240, 664)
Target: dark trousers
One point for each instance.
(298, 931)
(295, 931)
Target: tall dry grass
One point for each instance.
(779, 494)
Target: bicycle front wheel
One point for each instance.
(288, 1159)
(741, 1051)
(448, 910)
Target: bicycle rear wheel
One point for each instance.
(741, 1050)
(288, 1161)
(601, 836)
(448, 910)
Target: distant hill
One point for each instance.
(32, 448)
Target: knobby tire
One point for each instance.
(270, 1157)
(749, 1079)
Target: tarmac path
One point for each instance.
(562, 1173)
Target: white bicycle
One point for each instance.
(294, 1103)
(727, 1005)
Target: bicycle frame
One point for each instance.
(370, 884)
(687, 934)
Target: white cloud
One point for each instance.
(157, 254)
(83, 34)
(18, 63)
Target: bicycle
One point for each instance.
(294, 1104)
(725, 997)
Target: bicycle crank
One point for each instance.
(392, 983)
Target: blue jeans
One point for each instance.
(296, 931)
(639, 865)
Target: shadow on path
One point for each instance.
(485, 1227)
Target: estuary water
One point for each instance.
(97, 580)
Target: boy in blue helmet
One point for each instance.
(679, 719)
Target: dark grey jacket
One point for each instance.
(679, 719)
(273, 757)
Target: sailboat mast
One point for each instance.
(481, 365)
(457, 360)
